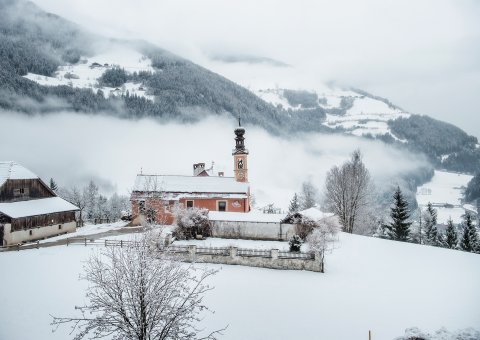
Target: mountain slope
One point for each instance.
(48, 64)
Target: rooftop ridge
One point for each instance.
(190, 176)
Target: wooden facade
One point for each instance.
(15, 190)
(18, 221)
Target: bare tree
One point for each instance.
(139, 293)
(323, 237)
(76, 197)
(348, 190)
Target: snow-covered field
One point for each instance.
(367, 116)
(370, 284)
(445, 188)
(85, 74)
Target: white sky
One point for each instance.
(423, 55)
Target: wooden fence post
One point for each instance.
(121, 243)
(85, 241)
(369, 335)
(38, 244)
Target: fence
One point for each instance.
(272, 258)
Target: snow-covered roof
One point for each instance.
(13, 170)
(189, 184)
(315, 214)
(245, 217)
(36, 207)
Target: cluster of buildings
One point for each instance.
(30, 210)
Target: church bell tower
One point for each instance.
(240, 154)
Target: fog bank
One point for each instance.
(75, 148)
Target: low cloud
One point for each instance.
(74, 148)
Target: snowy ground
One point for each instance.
(370, 283)
(445, 188)
(367, 116)
(89, 229)
(84, 75)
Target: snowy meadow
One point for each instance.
(369, 284)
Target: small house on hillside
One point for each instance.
(29, 209)
(313, 214)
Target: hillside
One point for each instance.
(48, 64)
(378, 285)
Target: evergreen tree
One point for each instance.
(469, 240)
(294, 204)
(451, 237)
(399, 228)
(53, 185)
(430, 224)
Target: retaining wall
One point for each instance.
(272, 231)
(272, 261)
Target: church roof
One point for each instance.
(189, 184)
(13, 170)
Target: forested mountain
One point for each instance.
(446, 145)
(32, 41)
(48, 64)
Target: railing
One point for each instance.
(176, 249)
(212, 251)
(253, 252)
(294, 255)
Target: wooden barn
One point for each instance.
(155, 197)
(29, 209)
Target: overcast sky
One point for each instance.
(422, 55)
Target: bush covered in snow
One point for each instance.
(295, 243)
(192, 222)
(304, 226)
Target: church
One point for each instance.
(155, 197)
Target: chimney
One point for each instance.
(198, 168)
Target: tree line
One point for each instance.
(93, 205)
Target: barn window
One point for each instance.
(222, 206)
(20, 192)
(189, 204)
(141, 206)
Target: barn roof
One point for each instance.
(13, 170)
(189, 184)
(36, 207)
(313, 214)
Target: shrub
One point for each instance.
(192, 222)
(295, 243)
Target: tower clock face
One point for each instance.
(241, 174)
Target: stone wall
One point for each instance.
(273, 231)
(272, 260)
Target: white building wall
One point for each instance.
(37, 233)
(252, 230)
